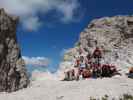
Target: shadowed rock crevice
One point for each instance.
(13, 73)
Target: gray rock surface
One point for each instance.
(13, 74)
(114, 35)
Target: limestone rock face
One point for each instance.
(114, 35)
(13, 74)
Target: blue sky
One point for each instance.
(59, 28)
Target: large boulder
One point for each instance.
(13, 74)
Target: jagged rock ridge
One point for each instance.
(114, 35)
(13, 74)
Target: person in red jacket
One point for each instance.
(97, 55)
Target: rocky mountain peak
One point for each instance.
(13, 74)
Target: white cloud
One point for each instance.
(40, 75)
(29, 9)
(69, 9)
(36, 61)
(31, 23)
(63, 52)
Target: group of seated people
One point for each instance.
(90, 66)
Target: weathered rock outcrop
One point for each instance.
(13, 74)
(114, 35)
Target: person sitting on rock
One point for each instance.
(89, 60)
(69, 75)
(86, 73)
(77, 62)
(96, 70)
(106, 70)
(82, 64)
(130, 74)
(76, 73)
(131, 70)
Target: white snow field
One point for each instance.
(53, 89)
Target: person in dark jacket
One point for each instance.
(97, 55)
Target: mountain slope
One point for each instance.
(114, 35)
